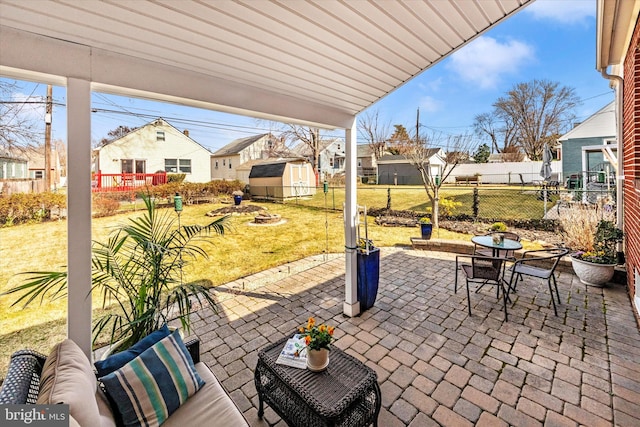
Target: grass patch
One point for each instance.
(495, 201)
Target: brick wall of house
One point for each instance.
(631, 159)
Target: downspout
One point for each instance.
(620, 174)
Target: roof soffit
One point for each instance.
(305, 61)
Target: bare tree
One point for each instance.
(277, 147)
(114, 134)
(539, 110)
(19, 127)
(374, 132)
(61, 148)
(450, 151)
(310, 137)
(501, 131)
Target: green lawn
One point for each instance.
(502, 202)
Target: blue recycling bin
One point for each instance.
(368, 278)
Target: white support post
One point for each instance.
(79, 213)
(585, 174)
(351, 306)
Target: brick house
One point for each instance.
(618, 59)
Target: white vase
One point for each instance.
(591, 273)
(317, 360)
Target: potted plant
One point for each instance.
(318, 339)
(237, 197)
(425, 227)
(139, 269)
(594, 243)
(368, 257)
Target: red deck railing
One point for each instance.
(105, 182)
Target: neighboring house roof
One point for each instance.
(500, 157)
(399, 158)
(36, 157)
(157, 122)
(15, 155)
(364, 150)
(303, 148)
(237, 145)
(601, 124)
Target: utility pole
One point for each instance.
(47, 139)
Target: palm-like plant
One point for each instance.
(139, 269)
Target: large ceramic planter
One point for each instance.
(426, 230)
(368, 278)
(237, 200)
(591, 273)
(318, 360)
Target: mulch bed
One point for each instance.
(468, 227)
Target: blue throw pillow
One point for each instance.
(118, 360)
(152, 386)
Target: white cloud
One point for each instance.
(485, 60)
(429, 104)
(563, 11)
(432, 85)
(32, 110)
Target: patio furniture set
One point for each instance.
(488, 266)
(346, 393)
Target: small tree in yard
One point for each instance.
(419, 150)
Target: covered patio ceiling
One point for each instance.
(313, 62)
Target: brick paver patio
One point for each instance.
(437, 365)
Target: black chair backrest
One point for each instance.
(488, 268)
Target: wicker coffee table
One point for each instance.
(345, 394)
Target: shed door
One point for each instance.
(299, 180)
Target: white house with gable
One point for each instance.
(156, 146)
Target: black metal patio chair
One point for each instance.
(540, 263)
(482, 270)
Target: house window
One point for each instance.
(229, 163)
(159, 135)
(224, 162)
(39, 174)
(141, 166)
(359, 163)
(331, 162)
(216, 164)
(171, 165)
(177, 165)
(185, 165)
(126, 165)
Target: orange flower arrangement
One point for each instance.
(317, 337)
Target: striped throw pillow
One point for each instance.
(154, 385)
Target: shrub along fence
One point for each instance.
(20, 208)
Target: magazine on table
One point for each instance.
(294, 353)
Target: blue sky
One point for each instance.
(551, 39)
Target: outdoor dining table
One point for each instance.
(505, 245)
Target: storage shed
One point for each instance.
(282, 179)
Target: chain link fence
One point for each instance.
(518, 202)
